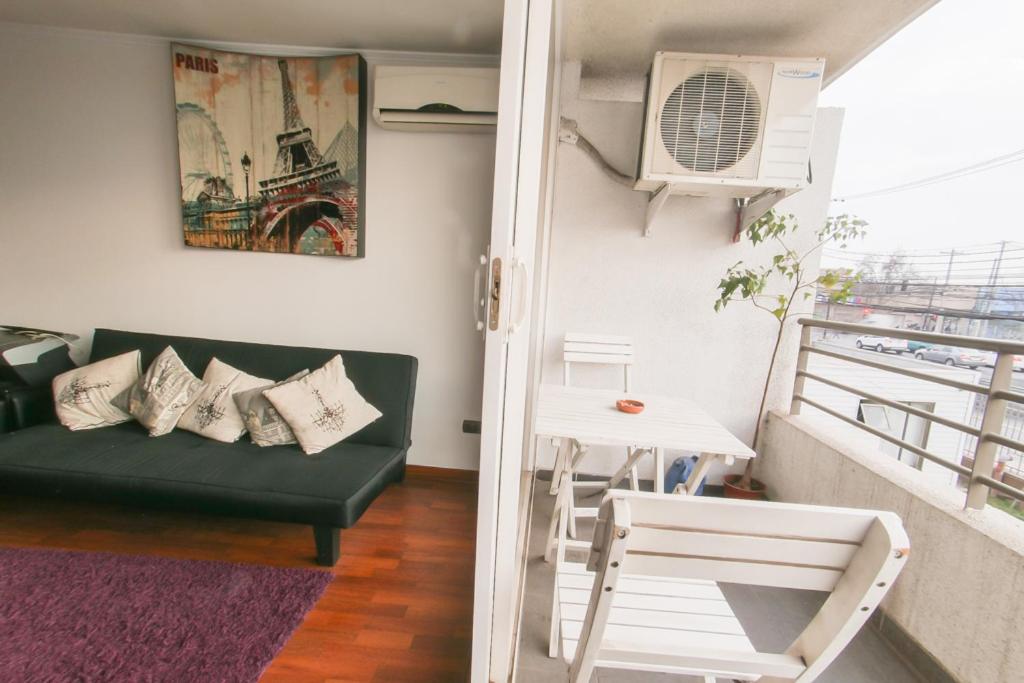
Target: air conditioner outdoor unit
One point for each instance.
(728, 125)
(435, 98)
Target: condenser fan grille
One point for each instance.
(710, 121)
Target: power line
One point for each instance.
(978, 167)
(916, 263)
(929, 253)
(912, 271)
(953, 312)
(922, 295)
(936, 285)
(918, 257)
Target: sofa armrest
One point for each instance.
(29, 406)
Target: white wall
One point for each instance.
(961, 594)
(605, 277)
(91, 232)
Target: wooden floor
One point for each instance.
(399, 609)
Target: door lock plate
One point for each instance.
(494, 305)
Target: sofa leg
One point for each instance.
(328, 545)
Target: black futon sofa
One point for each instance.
(184, 471)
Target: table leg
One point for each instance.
(579, 450)
(560, 460)
(630, 462)
(570, 504)
(700, 470)
(559, 517)
(659, 470)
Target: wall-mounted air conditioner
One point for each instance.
(727, 125)
(435, 98)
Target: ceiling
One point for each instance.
(617, 39)
(463, 26)
(613, 39)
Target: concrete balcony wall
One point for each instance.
(961, 595)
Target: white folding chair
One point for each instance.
(647, 598)
(592, 349)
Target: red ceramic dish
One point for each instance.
(628, 405)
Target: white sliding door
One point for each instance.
(522, 116)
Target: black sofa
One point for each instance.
(184, 471)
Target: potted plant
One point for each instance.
(742, 283)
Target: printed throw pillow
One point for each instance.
(323, 407)
(266, 426)
(212, 412)
(84, 398)
(162, 394)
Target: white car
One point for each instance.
(881, 344)
(1018, 363)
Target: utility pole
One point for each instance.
(994, 278)
(940, 321)
(993, 283)
(931, 300)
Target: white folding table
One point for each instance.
(590, 417)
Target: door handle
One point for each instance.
(478, 301)
(494, 301)
(519, 281)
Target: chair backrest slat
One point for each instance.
(598, 357)
(759, 555)
(752, 518)
(781, 575)
(586, 338)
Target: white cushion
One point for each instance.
(84, 397)
(266, 426)
(323, 407)
(162, 394)
(212, 412)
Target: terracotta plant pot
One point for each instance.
(755, 492)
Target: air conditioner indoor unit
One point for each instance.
(728, 125)
(435, 98)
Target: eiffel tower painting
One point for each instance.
(299, 162)
(256, 173)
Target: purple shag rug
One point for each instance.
(84, 616)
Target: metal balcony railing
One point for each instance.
(988, 436)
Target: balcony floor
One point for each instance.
(772, 618)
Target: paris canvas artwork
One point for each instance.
(271, 151)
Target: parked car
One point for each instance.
(881, 344)
(1018, 363)
(951, 355)
(914, 346)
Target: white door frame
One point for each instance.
(530, 195)
(514, 225)
(506, 168)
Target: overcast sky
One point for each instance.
(945, 92)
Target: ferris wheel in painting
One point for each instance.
(204, 154)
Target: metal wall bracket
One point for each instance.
(654, 205)
(749, 210)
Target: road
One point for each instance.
(849, 341)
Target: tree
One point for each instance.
(889, 270)
(742, 283)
